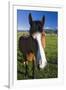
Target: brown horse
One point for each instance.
(32, 46)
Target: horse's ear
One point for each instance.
(30, 19)
(43, 20)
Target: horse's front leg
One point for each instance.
(33, 68)
(26, 69)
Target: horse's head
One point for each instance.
(36, 26)
(36, 30)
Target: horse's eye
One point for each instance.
(40, 24)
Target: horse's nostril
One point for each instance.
(43, 66)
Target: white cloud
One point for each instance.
(47, 27)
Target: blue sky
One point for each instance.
(51, 19)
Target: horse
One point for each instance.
(33, 46)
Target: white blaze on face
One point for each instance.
(41, 54)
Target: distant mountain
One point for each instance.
(51, 31)
(23, 30)
(46, 30)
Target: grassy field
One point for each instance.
(51, 70)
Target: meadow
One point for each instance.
(51, 51)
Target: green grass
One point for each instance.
(51, 70)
